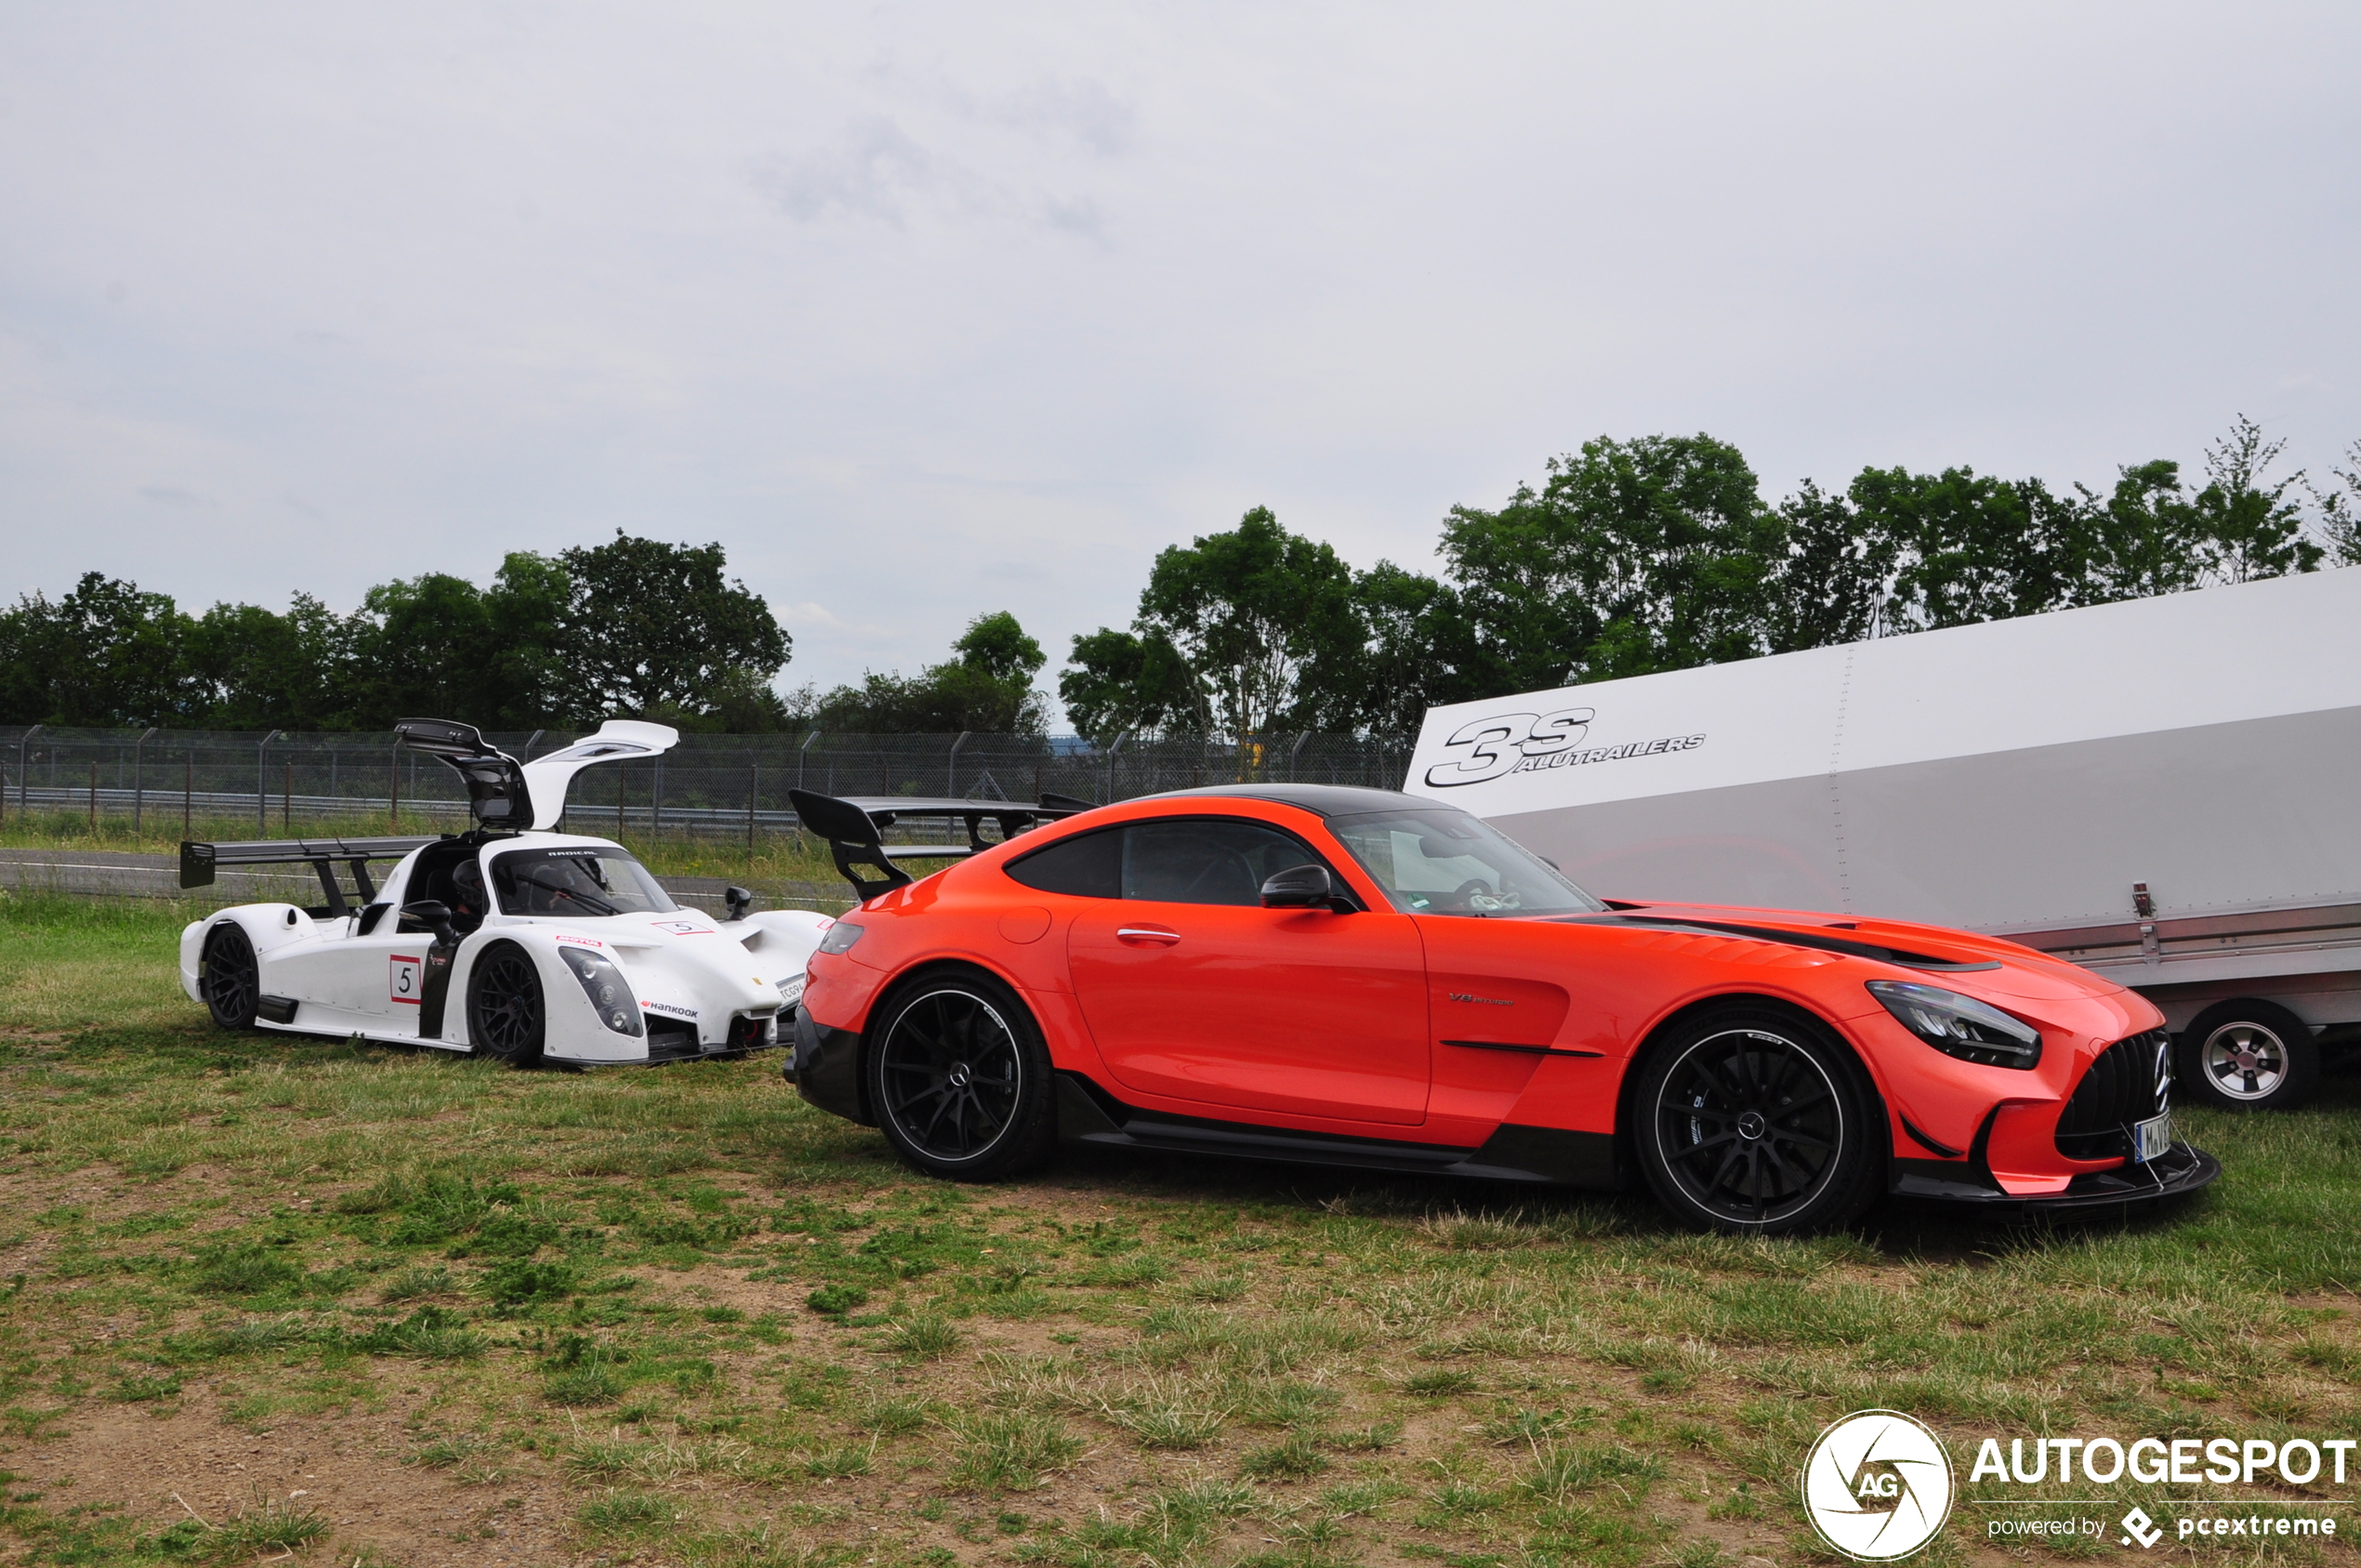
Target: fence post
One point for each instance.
(138, 780)
(622, 776)
(951, 779)
(754, 794)
(262, 785)
(287, 799)
(656, 801)
(1121, 737)
(93, 795)
(188, 791)
(393, 789)
(24, 768)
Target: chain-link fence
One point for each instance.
(707, 787)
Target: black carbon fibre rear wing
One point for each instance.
(856, 830)
(199, 861)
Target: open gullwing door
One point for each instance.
(618, 740)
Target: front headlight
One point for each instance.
(791, 991)
(1959, 1026)
(610, 994)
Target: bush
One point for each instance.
(244, 1268)
(835, 1300)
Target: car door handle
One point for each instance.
(1146, 933)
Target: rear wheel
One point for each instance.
(229, 978)
(960, 1080)
(1747, 1119)
(506, 1017)
(2247, 1055)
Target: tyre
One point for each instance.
(959, 1079)
(506, 1017)
(2246, 1055)
(1753, 1120)
(229, 978)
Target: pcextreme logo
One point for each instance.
(1877, 1485)
(1529, 743)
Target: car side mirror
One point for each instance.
(1304, 887)
(739, 899)
(435, 915)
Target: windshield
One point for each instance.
(575, 883)
(1449, 862)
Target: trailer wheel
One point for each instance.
(2247, 1055)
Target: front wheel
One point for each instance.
(2248, 1056)
(1749, 1120)
(960, 1080)
(505, 1019)
(229, 977)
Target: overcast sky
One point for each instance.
(925, 311)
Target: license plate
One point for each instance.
(2151, 1137)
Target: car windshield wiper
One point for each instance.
(574, 893)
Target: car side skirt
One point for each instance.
(1088, 1114)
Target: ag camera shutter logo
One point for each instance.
(1877, 1485)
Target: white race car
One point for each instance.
(508, 941)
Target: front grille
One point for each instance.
(2130, 1081)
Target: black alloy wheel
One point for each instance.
(959, 1080)
(505, 1019)
(229, 978)
(1753, 1123)
(2247, 1055)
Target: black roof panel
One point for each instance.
(1320, 801)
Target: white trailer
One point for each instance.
(2162, 791)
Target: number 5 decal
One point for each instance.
(405, 982)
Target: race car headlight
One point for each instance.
(840, 937)
(1959, 1026)
(610, 994)
(791, 991)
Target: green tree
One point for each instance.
(1835, 582)
(423, 647)
(1650, 554)
(1120, 683)
(1969, 547)
(2340, 509)
(107, 653)
(986, 686)
(653, 629)
(2245, 526)
(259, 670)
(2139, 535)
(1420, 652)
(1266, 623)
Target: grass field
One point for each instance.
(266, 1299)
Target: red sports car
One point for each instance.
(1368, 978)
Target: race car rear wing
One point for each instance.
(856, 830)
(199, 862)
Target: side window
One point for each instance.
(1088, 865)
(1204, 860)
